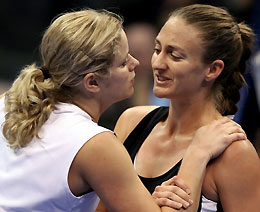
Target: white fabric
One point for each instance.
(208, 205)
(256, 75)
(34, 178)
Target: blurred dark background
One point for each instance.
(22, 24)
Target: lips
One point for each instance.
(133, 80)
(161, 78)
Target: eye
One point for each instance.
(175, 57)
(125, 62)
(157, 51)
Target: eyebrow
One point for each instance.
(125, 56)
(171, 46)
(127, 53)
(118, 63)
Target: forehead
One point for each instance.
(122, 49)
(178, 33)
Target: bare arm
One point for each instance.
(106, 166)
(208, 143)
(237, 178)
(127, 193)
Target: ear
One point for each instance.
(91, 83)
(215, 70)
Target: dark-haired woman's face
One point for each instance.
(178, 70)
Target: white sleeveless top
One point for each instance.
(34, 178)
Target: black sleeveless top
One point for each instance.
(135, 140)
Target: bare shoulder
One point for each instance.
(101, 147)
(238, 151)
(129, 120)
(236, 177)
(238, 168)
(135, 114)
(101, 142)
(238, 156)
(95, 149)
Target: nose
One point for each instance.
(134, 63)
(158, 61)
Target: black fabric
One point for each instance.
(219, 207)
(135, 140)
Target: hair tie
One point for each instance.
(45, 72)
(238, 28)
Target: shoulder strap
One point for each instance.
(136, 138)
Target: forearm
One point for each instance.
(192, 171)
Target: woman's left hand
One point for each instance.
(173, 193)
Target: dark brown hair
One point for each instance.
(224, 39)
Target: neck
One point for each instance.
(91, 104)
(90, 107)
(186, 117)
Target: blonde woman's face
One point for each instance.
(119, 85)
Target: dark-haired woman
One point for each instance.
(198, 63)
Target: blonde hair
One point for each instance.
(76, 43)
(225, 39)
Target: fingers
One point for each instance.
(234, 129)
(171, 200)
(171, 181)
(166, 202)
(173, 193)
(178, 182)
(236, 137)
(226, 126)
(172, 196)
(212, 139)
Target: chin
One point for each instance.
(126, 96)
(160, 93)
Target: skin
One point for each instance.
(112, 175)
(180, 75)
(103, 164)
(101, 91)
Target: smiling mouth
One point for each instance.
(161, 78)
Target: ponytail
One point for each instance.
(234, 82)
(28, 104)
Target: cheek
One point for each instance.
(152, 60)
(119, 81)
